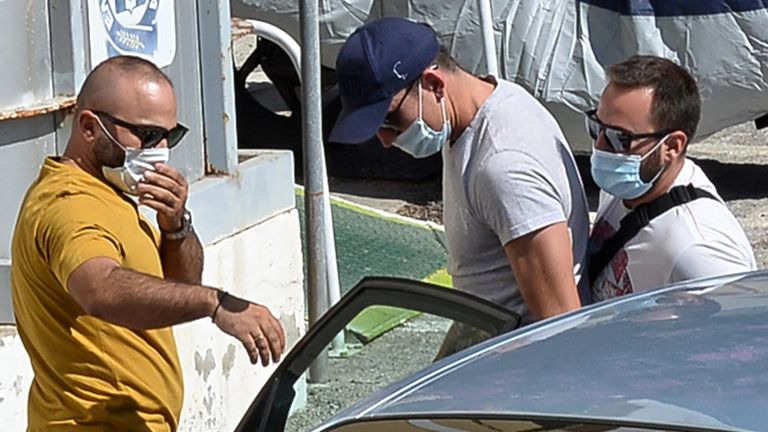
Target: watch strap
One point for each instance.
(185, 230)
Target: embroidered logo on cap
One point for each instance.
(398, 74)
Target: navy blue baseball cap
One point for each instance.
(378, 60)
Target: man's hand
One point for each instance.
(165, 190)
(254, 325)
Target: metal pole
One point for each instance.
(289, 45)
(334, 292)
(489, 40)
(313, 173)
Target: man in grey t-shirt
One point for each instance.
(514, 207)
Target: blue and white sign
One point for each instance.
(144, 28)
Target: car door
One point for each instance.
(269, 410)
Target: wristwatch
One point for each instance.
(185, 230)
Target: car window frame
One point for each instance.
(269, 409)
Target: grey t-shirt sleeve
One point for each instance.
(514, 195)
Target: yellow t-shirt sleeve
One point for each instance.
(74, 230)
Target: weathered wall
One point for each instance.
(262, 264)
(15, 378)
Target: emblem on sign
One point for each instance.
(131, 26)
(144, 28)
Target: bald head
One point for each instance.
(107, 84)
(119, 97)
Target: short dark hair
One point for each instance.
(676, 101)
(135, 68)
(444, 60)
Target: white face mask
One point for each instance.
(137, 161)
(420, 140)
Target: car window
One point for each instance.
(394, 355)
(271, 407)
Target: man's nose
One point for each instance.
(387, 137)
(601, 143)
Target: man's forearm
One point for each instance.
(143, 302)
(182, 259)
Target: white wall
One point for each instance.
(262, 263)
(15, 378)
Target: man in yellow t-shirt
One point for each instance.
(95, 286)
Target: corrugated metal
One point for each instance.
(23, 145)
(25, 73)
(217, 72)
(27, 129)
(39, 108)
(189, 156)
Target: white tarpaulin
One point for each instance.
(558, 49)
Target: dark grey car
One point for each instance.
(688, 357)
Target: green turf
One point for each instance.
(370, 244)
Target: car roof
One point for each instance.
(694, 354)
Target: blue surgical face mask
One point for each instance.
(619, 174)
(419, 140)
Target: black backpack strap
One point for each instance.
(636, 220)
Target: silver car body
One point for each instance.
(689, 356)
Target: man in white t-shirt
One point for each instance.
(647, 116)
(514, 207)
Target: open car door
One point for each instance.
(269, 410)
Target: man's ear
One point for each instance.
(675, 145)
(87, 124)
(433, 80)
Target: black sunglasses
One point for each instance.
(388, 122)
(618, 139)
(150, 136)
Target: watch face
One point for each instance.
(187, 220)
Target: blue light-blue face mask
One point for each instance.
(419, 140)
(619, 174)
